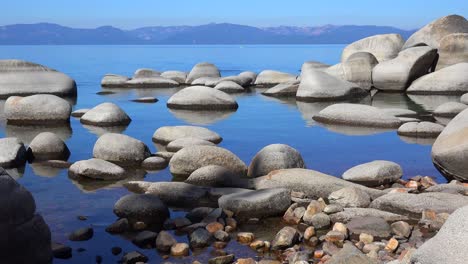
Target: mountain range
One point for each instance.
(214, 33)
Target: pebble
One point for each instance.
(180, 249)
(245, 237)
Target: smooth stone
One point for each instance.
(270, 78)
(356, 69)
(201, 98)
(215, 176)
(154, 163)
(420, 129)
(448, 245)
(317, 85)
(397, 74)
(181, 143)
(222, 236)
(453, 49)
(165, 155)
(177, 76)
(48, 146)
(258, 203)
(319, 221)
(196, 215)
(412, 205)
(357, 115)
(251, 76)
(96, 169)
(401, 229)
(17, 205)
(106, 114)
(146, 73)
(451, 80)
(400, 112)
(451, 148)
(449, 109)
(113, 80)
(432, 33)
(349, 213)
(189, 159)
(312, 183)
(203, 69)
(81, 234)
(80, 112)
(118, 227)
(26, 78)
(206, 81)
(145, 100)
(452, 188)
(229, 87)
(350, 197)
(167, 134)
(283, 90)
(151, 82)
(39, 109)
(120, 149)
(374, 226)
(180, 250)
(350, 255)
(146, 208)
(332, 209)
(383, 47)
(285, 238)
(134, 257)
(374, 173)
(274, 157)
(200, 238)
(243, 81)
(145, 239)
(13, 153)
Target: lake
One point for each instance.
(258, 122)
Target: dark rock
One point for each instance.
(61, 251)
(165, 241)
(118, 226)
(134, 257)
(116, 251)
(200, 238)
(82, 234)
(145, 239)
(222, 260)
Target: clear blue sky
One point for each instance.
(136, 13)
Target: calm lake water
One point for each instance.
(259, 121)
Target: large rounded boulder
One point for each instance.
(146, 208)
(215, 176)
(451, 80)
(177, 76)
(106, 114)
(48, 146)
(317, 85)
(357, 115)
(450, 150)
(383, 47)
(356, 69)
(275, 157)
(374, 173)
(96, 169)
(398, 73)
(453, 49)
(13, 153)
(26, 78)
(146, 73)
(202, 98)
(40, 109)
(121, 149)
(449, 109)
(432, 34)
(203, 69)
(114, 81)
(189, 159)
(167, 134)
(271, 78)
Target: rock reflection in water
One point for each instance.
(205, 117)
(45, 170)
(355, 130)
(443, 120)
(431, 102)
(87, 185)
(99, 131)
(395, 100)
(418, 140)
(27, 133)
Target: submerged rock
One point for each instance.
(270, 78)
(453, 49)
(12, 154)
(383, 47)
(40, 109)
(167, 134)
(146, 208)
(96, 169)
(451, 80)
(374, 173)
(48, 146)
(202, 98)
(121, 149)
(203, 69)
(26, 78)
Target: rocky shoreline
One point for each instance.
(368, 215)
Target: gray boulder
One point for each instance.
(80, 112)
(451, 80)
(120, 149)
(48, 146)
(96, 169)
(271, 78)
(13, 153)
(397, 74)
(449, 109)
(151, 82)
(464, 99)
(258, 203)
(432, 33)
(203, 69)
(177, 76)
(453, 49)
(113, 81)
(451, 148)
(215, 176)
(282, 90)
(201, 98)
(383, 47)
(146, 73)
(349, 213)
(420, 129)
(350, 197)
(349, 254)
(206, 81)
(181, 143)
(242, 80)
(317, 85)
(356, 69)
(374, 173)
(312, 183)
(448, 245)
(154, 163)
(167, 134)
(357, 115)
(251, 76)
(374, 226)
(412, 205)
(40, 109)
(26, 78)
(274, 157)
(146, 208)
(229, 87)
(287, 237)
(189, 159)
(200, 238)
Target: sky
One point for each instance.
(129, 14)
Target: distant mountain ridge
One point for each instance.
(215, 33)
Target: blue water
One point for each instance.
(259, 121)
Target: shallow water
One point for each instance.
(259, 121)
